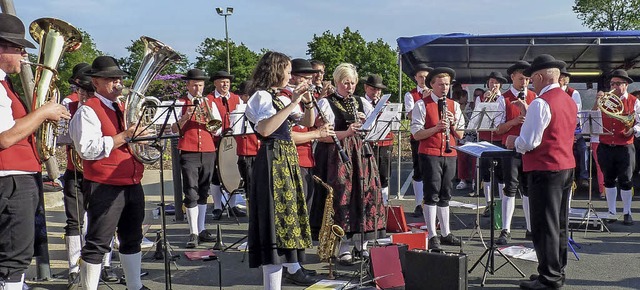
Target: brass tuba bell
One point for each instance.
(55, 37)
(612, 105)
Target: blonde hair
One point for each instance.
(439, 76)
(345, 71)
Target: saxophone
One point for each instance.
(330, 233)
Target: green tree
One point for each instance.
(132, 62)
(608, 14)
(374, 57)
(213, 58)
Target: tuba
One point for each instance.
(612, 106)
(55, 37)
(156, 56)
(330, 233)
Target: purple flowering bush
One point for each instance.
(167, 87)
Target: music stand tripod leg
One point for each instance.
(476, 226)
(226, 203)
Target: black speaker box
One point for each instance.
(435, 270)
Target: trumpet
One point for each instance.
(442, 108)
(204, 115)
(493, 94)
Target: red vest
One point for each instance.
(487, 135)
(570, 91)
(247, 145)
(416, 97)
(616, 127)
(232, 102)
(305, 151)
(512, 111)
(195, 136)
(120, 168)
(389, 137)
(21, 155)
(435, 144)
(555, 152)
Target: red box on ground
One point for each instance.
(412, 240)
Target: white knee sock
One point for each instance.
(192, 220)
(74, 246)
(272, 276)
(131, 265)
(216, 192)
(626, 196)
(612, 193)
(202, 214)
(486, 186)
(89, 275)
(292, 268)
(14, 285)
(429, 213)
(527, 214)
(385, 195)
(508, 207)
(417, 190)
(106, 259)
(443, 217)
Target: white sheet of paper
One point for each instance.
(390, 114)
(591, 122)
(239, 123)
(161, 113)
(485, 117)
(371, 119)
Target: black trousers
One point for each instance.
(417, 173)
(437, 178)
(245, 167)
(514, 178)
(485, 167)
(383, 156)
(111, 207)
(548, 199)
(18, 203)
(617, 162)
(197, 169)
(73, 202)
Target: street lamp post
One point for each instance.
(228, 12)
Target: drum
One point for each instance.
(228, 164)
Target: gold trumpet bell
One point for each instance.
(612, 105)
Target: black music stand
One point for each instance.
(591, 125)
(157, 144)
(488, 150)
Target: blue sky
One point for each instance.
(287, 26)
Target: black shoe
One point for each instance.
(108, 275)
(309, 272)
(627, 220)
(238, 212)
(584, 183)
(299, 278)
(434, 243)
(73, 281)
(418, 211)
(504, 238)
(217, 214)
(486, 212)
(206, 237)
(193, 241)
(528, 235)
(535, 285)
(451, 240)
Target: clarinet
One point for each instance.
(343, 155)
(366, 148)
(442, 108)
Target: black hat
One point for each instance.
(620, 73)
(375, 81)
(76, 69)
(543, 61)
(12, 30)
(498, 76)
(564, 72)
(302, 66)
(106, 67)
(422, 67)
(519, 65)
(196, 75)
(437, 71)
(82, 80)
(221, 75)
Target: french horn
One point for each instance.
(612, 105)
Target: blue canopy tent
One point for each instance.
(590, 55)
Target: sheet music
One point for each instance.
(389, 116)
(239, 123)
(485, 117)
(591, 122)
(161, 113)
(371, 119)
(477, 148)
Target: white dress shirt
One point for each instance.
(575, 97)
(260, 107)
(420, 112)
(331, 117)
(86, 132)
(408, 100)
(536, 121)
(502, 117)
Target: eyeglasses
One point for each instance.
(617, 84)
(305, 77)
(15, 49)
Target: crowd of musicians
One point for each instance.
(302, 127)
